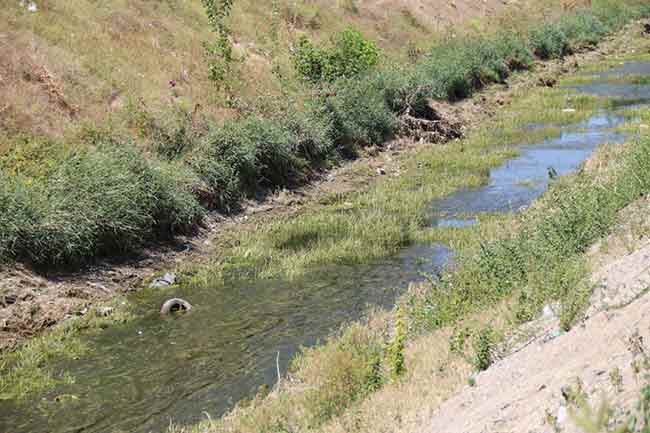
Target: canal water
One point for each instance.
(142, 375)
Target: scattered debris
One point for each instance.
(175, 305)
(547, 81)
(65, 398)
(104, 311)
(7, 300)
(436, 123)
(548, 312)
(51, 85)
(167, 280)
(561, 416)
(381, 171)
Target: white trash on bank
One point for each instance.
(31, 6)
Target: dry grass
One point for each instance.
(435, 373)
(99, 56)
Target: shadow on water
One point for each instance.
(140, 375)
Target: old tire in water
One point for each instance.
(175, 305)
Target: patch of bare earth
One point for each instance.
(33, 96)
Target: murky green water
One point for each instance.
(142, 375)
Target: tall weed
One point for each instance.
(93, 202)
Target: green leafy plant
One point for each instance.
(483, 346)
(549, 41)
(350, 55)
(219, 53)
(396, 348)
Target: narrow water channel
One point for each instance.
(152, 370)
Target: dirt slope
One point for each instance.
(605, 357)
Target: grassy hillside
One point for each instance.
(115, 134)
(81, 61)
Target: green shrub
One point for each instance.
(244, 155)
(360, 116)
(483, 346)
(401, 89)
(350, 55)
(177, 207)
(455, 69)
(446, 71)
(309, 60)
(17, 214)
(396, 348)
(175, 133)
(549, 41)
(583, 29)
(514, 51)
(93, 202)
(219, 52)
(312, 129)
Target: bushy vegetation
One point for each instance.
(65, 206)
(549, 41)
(457, 68)
(350, 55)
(112, 198)
(243, 156)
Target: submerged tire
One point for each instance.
(175, 305)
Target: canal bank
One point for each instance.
(401, 203)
